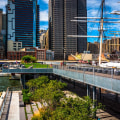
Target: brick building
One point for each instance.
(40, 54)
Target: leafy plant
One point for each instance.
(28, 59)
(55, 105)
(26, 96)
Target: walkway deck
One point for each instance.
(14, 113)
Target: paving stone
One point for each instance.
(39, 104)
(29, 116)
(28, 109)
(22, 113)
(34, 107)
(105, 115)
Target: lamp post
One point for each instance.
(64, 55)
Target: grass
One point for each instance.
(31, 109)
(36, 65)
(37, 106)
(25, 113)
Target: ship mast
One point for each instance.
(101, 32)
(99, 20)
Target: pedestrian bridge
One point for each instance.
(25, 70)
(108, 79)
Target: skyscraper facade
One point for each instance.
(82, 27)
(2, 34)
(56, 26)
(23, 22)
(61, 12)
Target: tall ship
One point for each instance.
(102, 21)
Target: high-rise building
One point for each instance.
(47, 40)
(111, 45)
(2, 34)
(23, 22)
(82, 27)
(93, 47)
(61, 12)
(44, 40)
(1, 12)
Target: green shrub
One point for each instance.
(26, 96)
(35, 118)
(28, 59)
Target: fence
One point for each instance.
(7, 68)
(106, 78)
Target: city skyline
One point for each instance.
(92, 10)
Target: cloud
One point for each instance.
(44, 27)
(3, 4)
(46, 1)
(93, 3)
(113, 4)
(44, 15)
(92, 13)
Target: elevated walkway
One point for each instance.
(108, 79)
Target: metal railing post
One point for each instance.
(93, 75)
(112, 69)
(88, 90)
(94, 100)
(83, 75)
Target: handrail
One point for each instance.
(3, 102)
(12, 88)
(5, 97)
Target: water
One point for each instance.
(5, 83)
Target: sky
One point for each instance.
(92, 11)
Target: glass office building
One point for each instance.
(23, 22)
(61, 12)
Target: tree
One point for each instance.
(35, 84)
(50, 93)
(55, 105)
(45, 90)
(28, 59)
(74, 109)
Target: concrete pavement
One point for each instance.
(14, 113)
